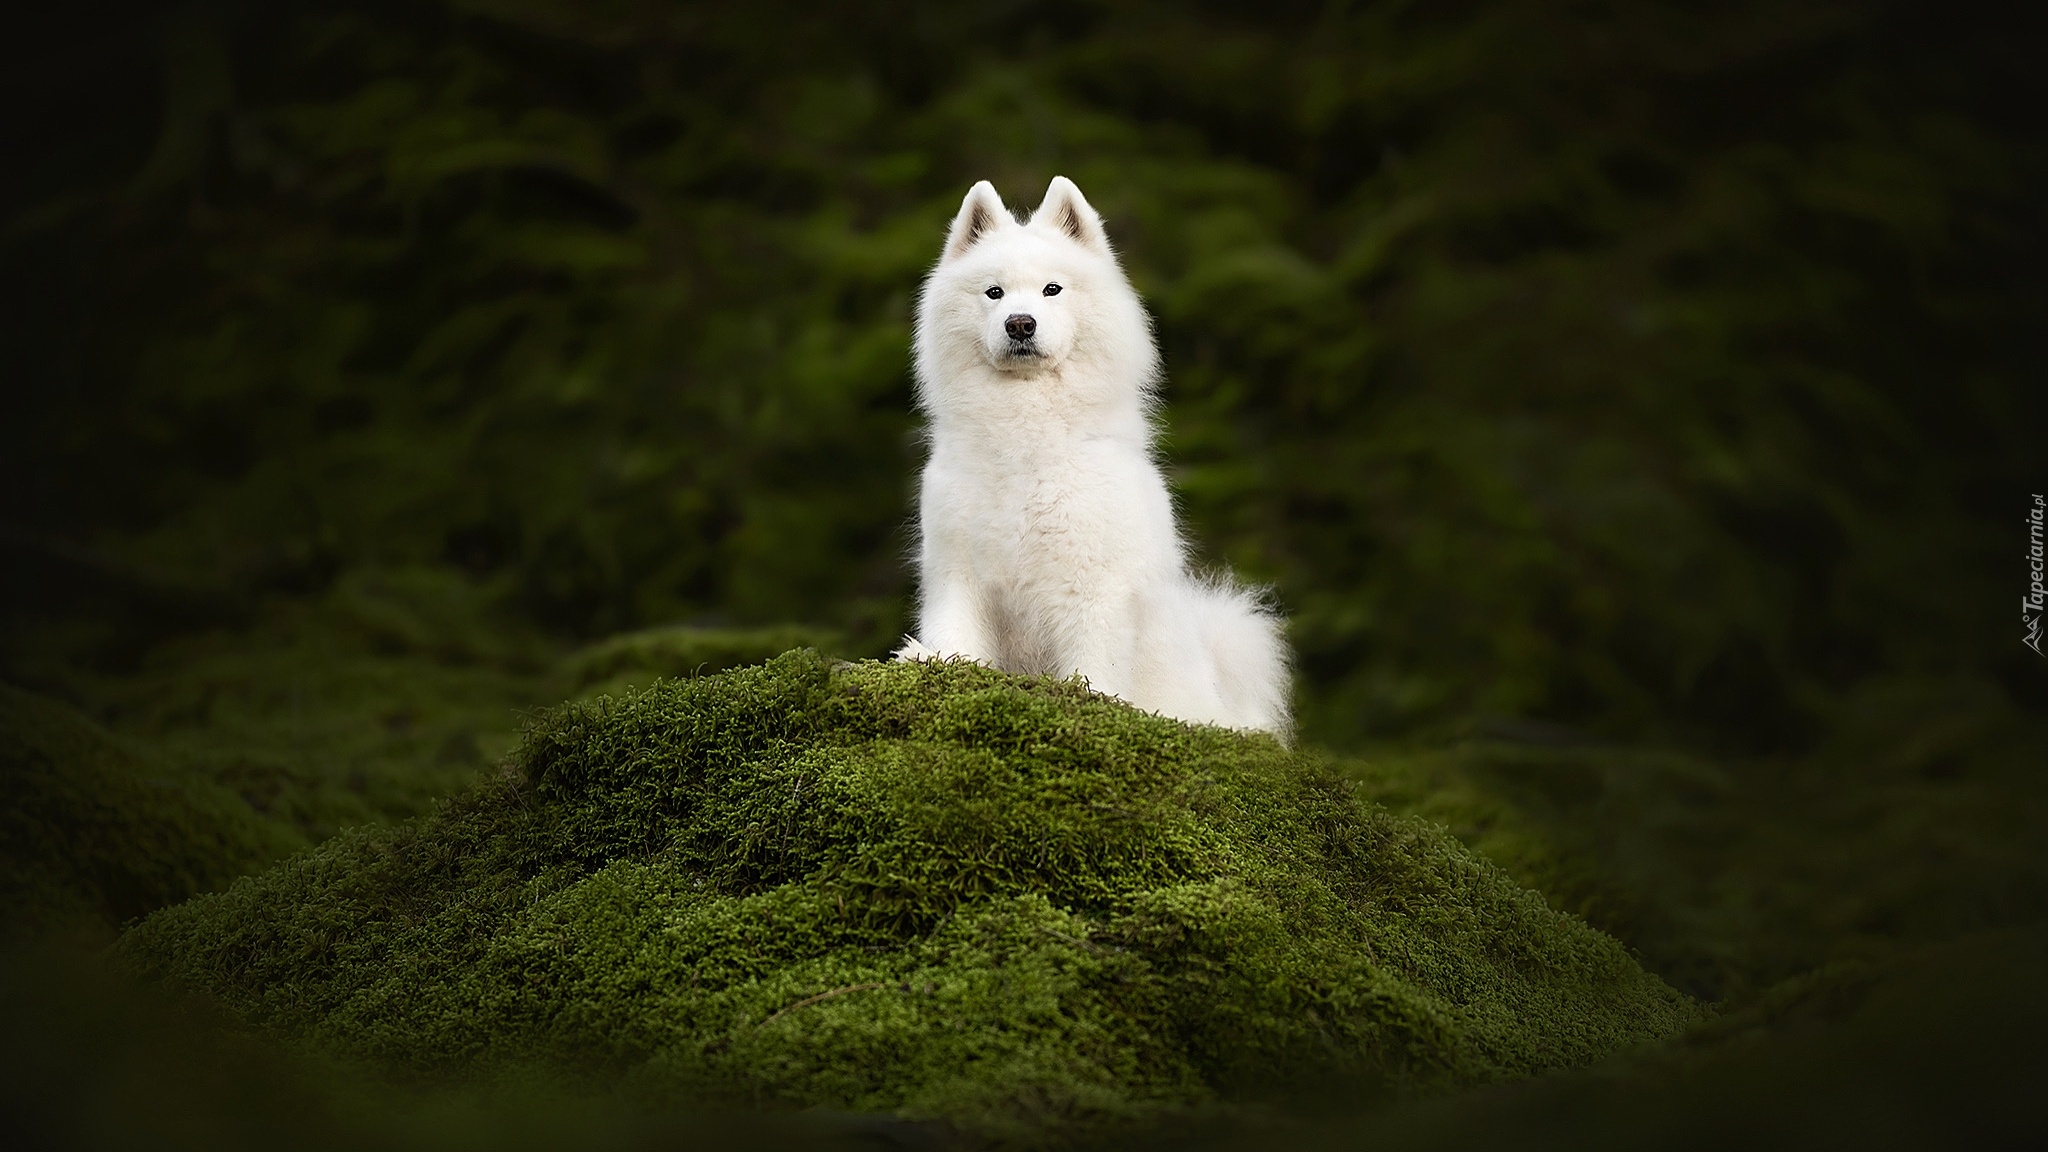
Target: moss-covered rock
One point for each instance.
(924, 888)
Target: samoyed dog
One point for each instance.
(1046, 536)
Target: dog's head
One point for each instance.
(1033, 298)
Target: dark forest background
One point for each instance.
(1634, 407)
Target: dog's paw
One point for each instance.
(914, 649)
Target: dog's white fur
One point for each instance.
(1047, 539)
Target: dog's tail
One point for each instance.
(1242, 634)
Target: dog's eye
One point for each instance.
(995, 293)
(1052, 289)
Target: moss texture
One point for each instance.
(633, 660)
(927, 889)
(94, 827)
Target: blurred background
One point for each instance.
(1634, 406)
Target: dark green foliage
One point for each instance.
(393, 688)
(1627, 402)
(1935, 1048)
(1646, 379)
(1649, 370)
(1727, 878)
(92, 826)
(921, 888)
(368, 703)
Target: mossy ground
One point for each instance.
(928, 889)
(95, 826)
(227, 749)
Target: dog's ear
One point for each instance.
(1065, 210)
(981, 213)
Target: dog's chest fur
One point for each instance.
(1032, 503)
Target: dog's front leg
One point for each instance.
(953, 620)
(1101, 638)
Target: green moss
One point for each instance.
(927, 889)
(633, 660)
(93, 826)
(367, 705)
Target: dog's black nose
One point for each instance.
(1020, 326)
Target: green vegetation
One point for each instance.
(1628, 403)
(94, 1059)
(1651, 372)
(239, 747)
(636, 659)
(93, 826)
(927, 889)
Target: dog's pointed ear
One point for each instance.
(981, 213)
(1066, 211)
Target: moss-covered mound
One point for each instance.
(630, 661)
(922, 888)
(95, 827)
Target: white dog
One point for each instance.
(1047, 542)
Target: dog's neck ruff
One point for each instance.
(1011, 410)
